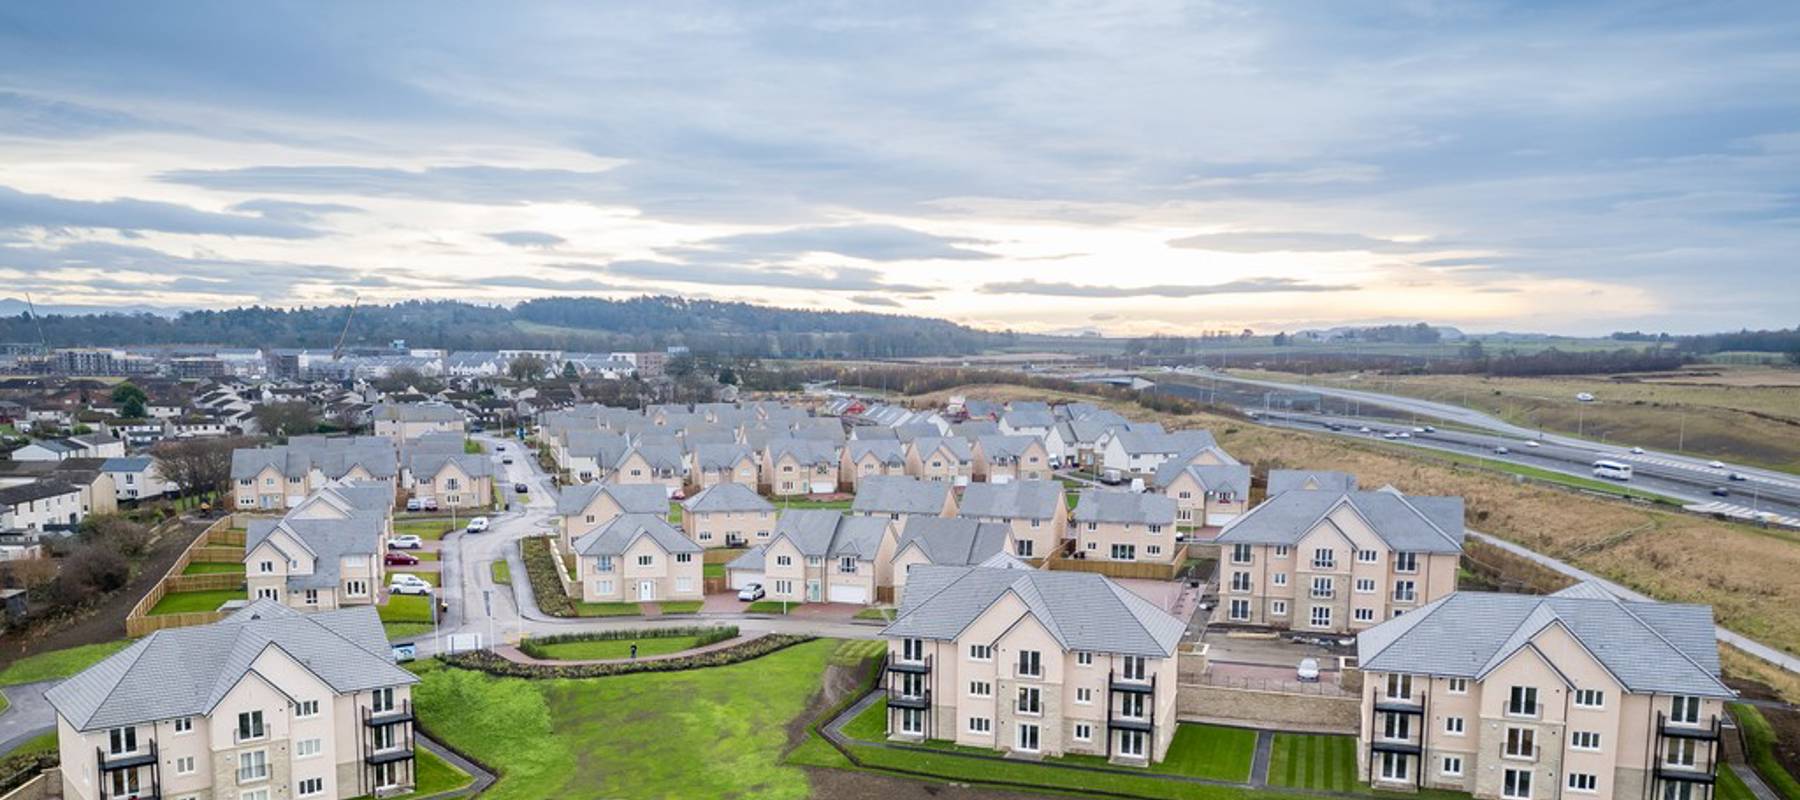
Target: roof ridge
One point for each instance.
(127, 671)
(1116, 589)
(1406, 501)
(1678, 651)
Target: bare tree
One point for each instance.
(526, 368)
(287, 419)
(116, 533)
(197, 465)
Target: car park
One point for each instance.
(1308, 671)
(477, 525)
(396, 558)
(751, 592)
(406, 583)
(405, 542)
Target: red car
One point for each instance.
(398, 559)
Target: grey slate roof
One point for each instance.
(827, 533)
(1084, 611)
(1000, 449)
(1233, 478)
(752, 560)
(1028, 418)
(899, 494)
(873, 432)
(183, 672)
(1282, 480)
(975, 428)
(429, 464)
(1136, 441)
(333, 456)
(1099, 505)
(913, 431)
(329, 541)
(613, 538)
(633, 498)
(959, 448)
(1407, 524)
(727, 497)
(127, 464)
(953, 541)
(416, 412)
(1013, 500)
(1662, 648)
(35, 490)
(708, 456)
(887, 451)
(808, 452)
(605, 447)
(661, 456)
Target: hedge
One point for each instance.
(541, 568)
(491, 664)
(703, 636)
(16, 769)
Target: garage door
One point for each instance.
(1000, 479)
(741, 578)
(823, 487)
(849, 594)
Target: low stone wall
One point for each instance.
(1256, 708)
(46, 786)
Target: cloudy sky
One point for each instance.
(1132, 167)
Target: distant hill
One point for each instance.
(574, 323)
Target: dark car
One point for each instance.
(521, 488)
(395, 558)
(1721, 492)
(1738, 476)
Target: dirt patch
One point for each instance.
(104, 621)
(843, 784)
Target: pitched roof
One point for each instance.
(328, 540)
(1084, 611)
(808, 452)
(994, 448)
(959, 448)
(954, 541)
(616, 536)
(1142, 440)
(899, 494)
(1028, 418)
(719, 456)
(428, 464)
(35, 490)
(1282, 480)
(1099, 505)
(1662, 648)
(1012, 500)
(632, 498)
(181, 672)
(727, 497)
(1408, 524)
(827, 533)
(1233, 478)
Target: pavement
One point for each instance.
(28, 716)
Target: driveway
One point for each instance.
(29, 715)
(1222, 647)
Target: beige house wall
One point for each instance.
(712, 528)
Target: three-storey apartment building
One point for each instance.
(1515, 697)
(267, 703)
(274, 478)
(1338, 562)
(1033, 662)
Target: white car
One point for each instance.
(1308, 671)
(1418, 430)
(1532, 443)
(1637, 451)
(477, 525)
(751, 592)
(1363, 429)
(1716, 464)
(407, 542)
(1390, 435)
(408, 583)
(1403, 435)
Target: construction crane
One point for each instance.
(43, 341)
(338, 351)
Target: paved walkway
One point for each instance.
(29, 715)
(517, 656)
(1259, 763)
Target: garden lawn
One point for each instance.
(713, 732)
(678, 607)
(405, 630)
(213, 567)
(407, 608)
(608, 610)
(428, 577)
(712, 570)
(617, 648)
(189, 602)
(428, 529)
(882, 614)
(769, 607)
(785, 503)
(1325, 762)
(435, 776)
(59, 663)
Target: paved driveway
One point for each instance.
(29, 715)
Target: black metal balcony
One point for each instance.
(1670, 772)
(1390, 746)
(110, 763)
(916, 667)
(1131, 724)
(389, 756)
(394, 716)
(1391, 705)
(898, 700)
(1131, 687)
(1706, 732)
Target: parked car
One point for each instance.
(521, 488)
(405, 542)
(407, 583)
(1720, 491)
(477, 525)
(678, 495)
(1111, 477)
(1502, 449)
(415, 504)
(751, 592)
(1308, 672)
(430, 504)
(395, 558)
(499, 448)
(507, 460)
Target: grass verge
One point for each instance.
(407, 608)
(776, 607)
(680, 607)
(55, 664)
(501, 571)
(1759, 742)
(190, 602)
(213, 568)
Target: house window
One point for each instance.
(253, 766)
(1516, 785)
(1406, 562)
(981, 652)
(1024, 548)
(1031, 664)
(307, 748)
(1404, 592)
(847, 565)
(912, 649)
(1084, 658)
(684, 558)
(646, 560)
(184, 725)
(356, 588)
(312, 786)
(1280, 579)
(1522, 702)
(1680, 753)
(1281, 551)
(981, 725)
(312, 597)
(1324, 558)
(1323, 587)
(121, 741)
(1278, 608)
(981, 689)
(1084, 732)
(1321, 616)
(603, 563)
(306, 708)
(1457, 686)
(1584, 782)
(1240, 581)
(1240, 610)
(1453, 726)
(266, 567)
(1365, 585)
(1452, 766)
(184, 765)
(1155, 529)
(1590, 698)
(1365, 615)
(1153, 549)
(1030, 700)
(1124, 552)
(1520, 743)
(603, 587)
(1367, 556)
(1684, 710)
(1084, 695)
(250, 726)
(1585, 740)
(784, 561)
(1399, 686)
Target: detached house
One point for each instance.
(819, 555)
(999, 459)
(1204, 494)
(588, 506)
(455, 480)
(897, 499)
(1338, 561)
(728, 515)
(592, 455)
(659, 464)
(404, 422)
(1139, 452)
(266, 703)
(1580, 693)
(315, 563)
(865, 457)
(712, 464)
(1124, 526)
(947, 542)
(1283, 480)
(638, 558)
(1032, 662)
(274, 478)
(801, 466)
(1034, 510)
(947, 460)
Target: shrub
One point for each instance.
(541, 568)
(491, 664)
(703, 636)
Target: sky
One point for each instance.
(1127, 167)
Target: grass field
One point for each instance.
(59, 663)
(1746, 578)
(698, 733)
(883, 614)
(1748, 415)
(188, 602)
(616, 648)
(855, 651)
(213, 567)
(501, 571)
(680, 606)
(1730, 786)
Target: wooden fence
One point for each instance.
(213, 544)
(1142, 570)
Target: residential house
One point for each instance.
(898, 499)
(801, 466)
(728, 515)
(819, 555)
(85, 446)
(137, 478)
(1205, 494)
(265, 703)
(1035, 511)
(1037, 663)
(589, 506)
(1510, 696)
(712, 464)
(275, 478)
(453, 479)
(944, 459)
(660, 464)
(946, 542)
(1138, 452)
(315, 563)
(41, 505)
(592, 455)
(1337, 562)
(638, 558)
(1282, 480)
(98, 493)
(864, 457)
(1124, 526)
(1000, 459)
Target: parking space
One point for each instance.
(1273, 651)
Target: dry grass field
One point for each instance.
(1746, 414)
(1745, 573)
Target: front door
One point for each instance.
(1131, 743)
(1028, 737)
(1393, 766)
(646, 591)
(812, 591)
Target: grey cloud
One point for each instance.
(527, 238)
(869, 242)
(552, 284)
(873, 300)
(840, 279)
(481, 185)
(24, 210)
(293, 211)
(1296, 241)
(1250, 286)
(262, 281)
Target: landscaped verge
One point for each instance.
(1759, 747)
(546, 586)
(496, 665)
(63, 663)
(31, 758)
(596, 645)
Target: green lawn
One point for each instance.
(502, 571)
(188, 602)
(770, 607)
(855, 651)
(1324, 762)
(796, 502)
(42, 743)
(428, 529)
(213, 567)
(59, 663)
(1759, 738)
(616, 648)
(680, 606)
(712, 570)
(435, 776)
(883, 614)
(405, 630)
(675, 512)
(697, 733)
(608, 610)
(407, 608)
(1730, 786)
(4, 703)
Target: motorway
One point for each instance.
(1686, 478)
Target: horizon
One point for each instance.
(1138, 168)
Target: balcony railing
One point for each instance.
(1509, 753)
(1410, 704)
(1323, 594)
(903, 664)
(1405, 597)
(1317, 564)
(392, 716)
(136, 758)
(1703, 730)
